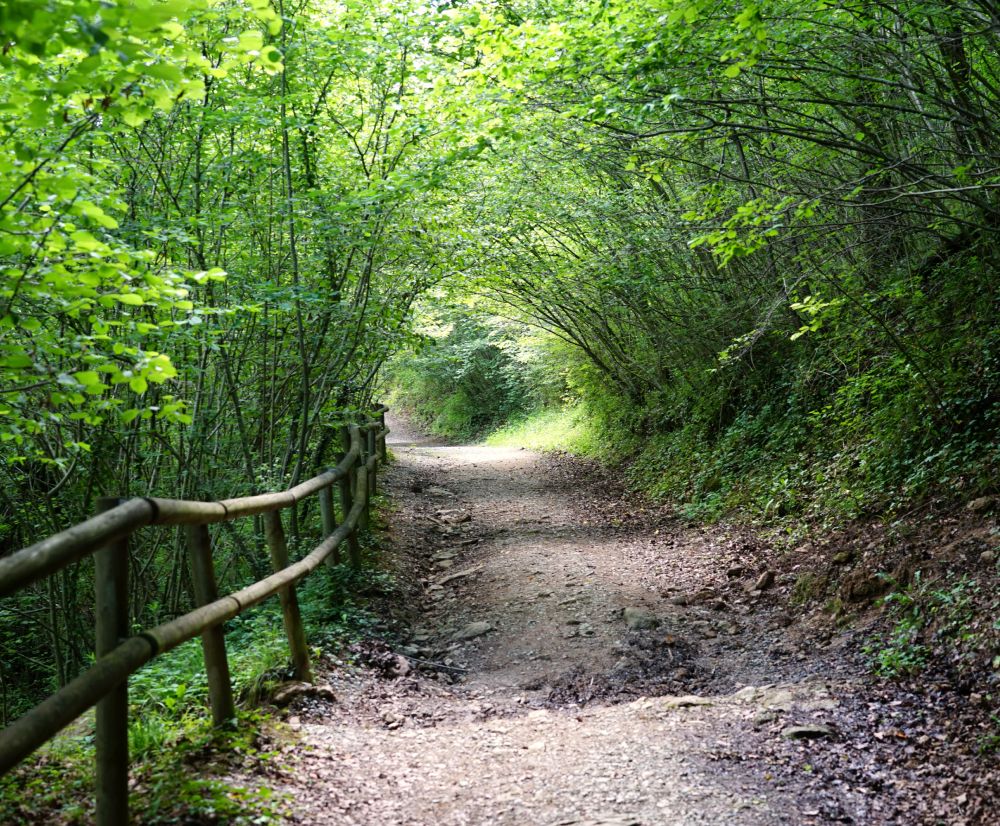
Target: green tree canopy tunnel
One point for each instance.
(764, 231)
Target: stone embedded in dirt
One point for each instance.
(400, 667)
(813, 732)
(782, 620)
(684, 701)
(392, 719)
(639, 619)
(437, 490)
(862, 587)
(680, 600)
(987, 557)
(764, 581)
(983, 503)
(843, 557)
(287, 692)
(705, 595)
(768, 715)
(736, 572)
(706, 630)
(453, 517)
(459, 575)
(767, 696)
(471, 631)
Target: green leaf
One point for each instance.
(98, 215)
(17, 360)
(251, 41)
(87, 377)
(85, 241)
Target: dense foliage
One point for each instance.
(770, 231)
(214, 218)
(752, 244)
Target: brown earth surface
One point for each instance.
(566, 654)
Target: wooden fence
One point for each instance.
(106, 536)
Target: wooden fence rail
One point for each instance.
(106, 537)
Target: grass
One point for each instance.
(566, 428)
(173, 746)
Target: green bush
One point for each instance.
(467, 382)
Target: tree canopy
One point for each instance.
(755, 240)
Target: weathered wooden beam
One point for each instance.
(329, 518)
(350, 437)
(290, 613)
(213, 640)
(372, 437)
(61, 549)
(50, 716)
(383, 431)
(109, 530)
(111, 733)
(45, 720)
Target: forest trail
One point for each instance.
(583, 693)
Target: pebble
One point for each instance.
(813, 732)
(764, 581)
(471, 631)
(639, 619)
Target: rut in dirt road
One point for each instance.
(562, 678)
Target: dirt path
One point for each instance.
(568, 656)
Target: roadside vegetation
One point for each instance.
(747, 251)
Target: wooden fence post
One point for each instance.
(381, 438)
(111, 586)
(362, 487)
(329, 518)
(372, 451)
(289, 601)
(213, 640)
(347, 487)
(361, 490)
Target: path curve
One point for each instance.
(524, 603)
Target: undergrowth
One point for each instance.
(566, 427)
(174, 749)
(951, 621)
